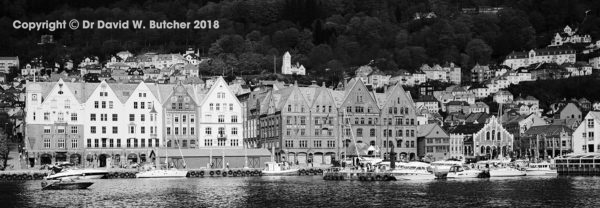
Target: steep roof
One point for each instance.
(549, 130)
(467, 128)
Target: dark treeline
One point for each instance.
(320, 34)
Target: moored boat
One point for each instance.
(279, 169)
(506, 172)
(414, 171)
(540, 169)
(458, 171)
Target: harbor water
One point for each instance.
(310, 192)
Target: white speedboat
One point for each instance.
(464, 172)
(157, 173)
(414, 171)
(445, 165)
(506, 172)
(540, 169)
(279, 169)
(78, 173)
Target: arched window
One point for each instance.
(487, 135)
(493, 134)
(372, 133)
(399, 133)
(498, 136)
(372, 143)
(359, 132)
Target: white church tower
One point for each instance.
(287, 68)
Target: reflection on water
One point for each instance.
(311, 192)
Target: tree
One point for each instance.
(478, 51)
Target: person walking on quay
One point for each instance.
(228, 165)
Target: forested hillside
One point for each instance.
(320, 34)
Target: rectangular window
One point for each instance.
(234, 119)
(115, 130)
(74, 144)
(208, 131)
(111, 143)
(142, 106)
(93, 117)
(103, 104)
(317, 143)
(132, 129)
(92, 129)
(234, 143)
(46, 116)
(590, 123)
(303, 143)
(131, 117)
(118, 142)
(74, 130)
(115, 117)
(104, 129)
(73, 116)
(103, 142)
(96, 104)
(208, 142)
(183, 130)
(47, 130)
(176, 130)
(128, 142)
(96, 143)
(89, 143)
(110, 104)
(47, 143)
(142, 141)
(176, 118)
(221, 119)
(234, 131)
(142, 117)
(192, 120)
(135, 105)
(168, 130)
(192, 132)
(103, 117)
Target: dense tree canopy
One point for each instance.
(323, 35)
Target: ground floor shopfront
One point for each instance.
(94, 158)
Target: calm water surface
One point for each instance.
(311, 192)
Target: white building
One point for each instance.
(220, 118)
(584, 136)
(7, 62)
(30, 71)
(569, 36)
(557, 55)
(288, 68)
(503, 96)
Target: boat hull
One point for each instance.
(67, 185)
(415, 176)
(541, 173)
(465, 174)
(293, 172)
(80, 174)
(162, 174)
(503, 173)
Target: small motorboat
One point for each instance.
(540, 169)
(414, 171)
(279, 169)
(79, 173)
(506, 172)
(66, 184)
(458, 171)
